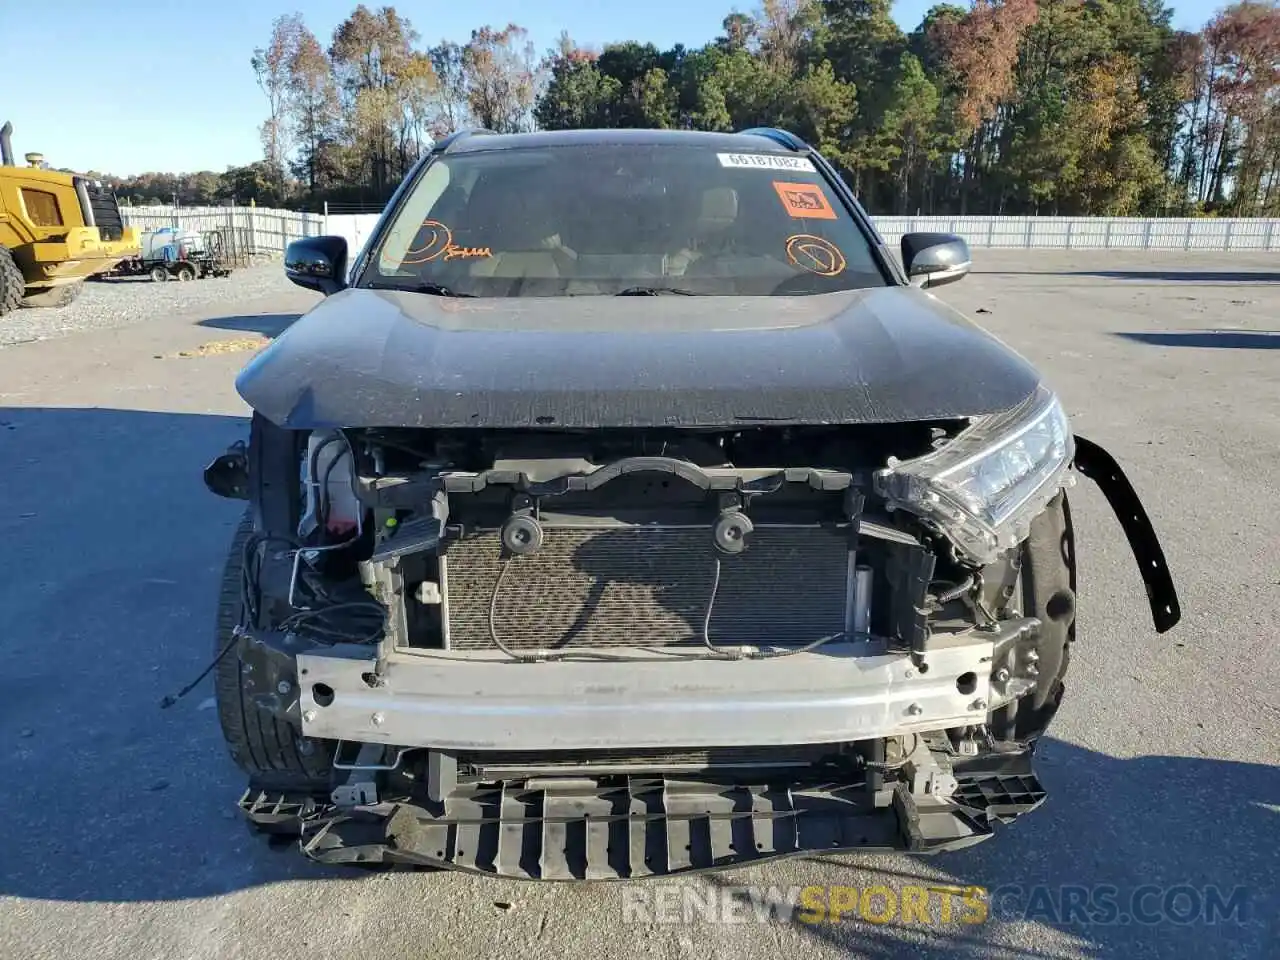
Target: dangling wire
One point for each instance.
(538, 656)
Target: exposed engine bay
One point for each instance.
(479, 627)
(556, 546)
(705, 545)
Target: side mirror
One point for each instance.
(228, 475)
(934, 259)
(318, 263)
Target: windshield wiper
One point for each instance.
(435, 289)
(654, 292)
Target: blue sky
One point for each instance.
(132, 86)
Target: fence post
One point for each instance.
(1106, 241)
(253, 225)
(326, 218)
(1146, 235)
(1271, 226)
(991, 233)
(1230, 224)
(1071, 225)
(1187, 242)
(1026, 241)
(284, 233)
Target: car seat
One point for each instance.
(519, 227)
(717, 216)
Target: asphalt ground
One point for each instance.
(118, 835)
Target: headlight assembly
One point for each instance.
(983, 488)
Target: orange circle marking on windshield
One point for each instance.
(804, 201)
(815, 255)
(439, 239)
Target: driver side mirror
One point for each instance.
(934, 259)
(228, 475)
(318, 263)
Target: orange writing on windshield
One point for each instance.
(454, 250)
(436, 242)
(805, 201)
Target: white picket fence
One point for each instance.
(263, 230)
(1094, 233)
(270, 231)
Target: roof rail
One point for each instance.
(784, 137)
(442, 146)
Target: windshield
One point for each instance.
(607, 220)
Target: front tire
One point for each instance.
(61, 296)
(270, 751)
(12, 283)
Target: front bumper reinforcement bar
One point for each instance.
(488, 702)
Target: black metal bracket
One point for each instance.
(708, 479)
(271, 680)
(910, 571)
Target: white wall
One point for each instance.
(1094, 233)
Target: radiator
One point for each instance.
(647, 585)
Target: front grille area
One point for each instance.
(647, 586)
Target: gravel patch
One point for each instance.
(111, 304)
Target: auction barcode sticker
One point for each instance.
(766, 161)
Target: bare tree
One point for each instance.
(503, 78)
(271, 67)
(313, 106)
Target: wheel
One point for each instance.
(1048, 582)
(186, 272)
(12, 283)
(55, 297)
(159, 274)
(268, 750)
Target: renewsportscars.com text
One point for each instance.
(1098, 905)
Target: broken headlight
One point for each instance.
(983, 488)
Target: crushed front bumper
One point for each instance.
(638, 827)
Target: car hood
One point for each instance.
(381, 358)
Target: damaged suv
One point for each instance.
(627, 508)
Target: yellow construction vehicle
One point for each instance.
(56, 229)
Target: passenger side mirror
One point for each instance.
(934, 259)
(318, 263)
